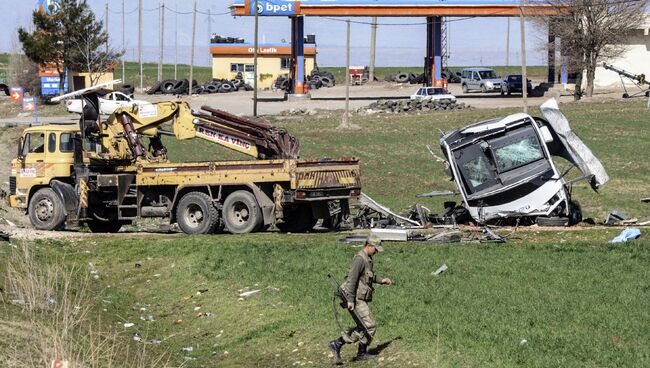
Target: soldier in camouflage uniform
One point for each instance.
(359, 289)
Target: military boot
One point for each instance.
(335, 346)
(362, 354)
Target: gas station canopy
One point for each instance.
(389, 8)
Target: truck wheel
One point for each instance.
(465, 90)
(97, 226)
(483, 88)
(196, 214)
(46, 210)
(241, 213)
(297, 219)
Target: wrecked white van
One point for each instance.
(503, 167)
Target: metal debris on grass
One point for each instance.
(249, 293)
(440, 270)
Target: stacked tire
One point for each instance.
(179, 87)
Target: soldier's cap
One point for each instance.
(375, 241)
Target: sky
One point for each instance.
(472, 42)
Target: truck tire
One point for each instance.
(46, 210)
(241, 213)
(196, 214)
(297, 219)
(483, 88)
(465, 89)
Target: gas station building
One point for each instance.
(229, 59)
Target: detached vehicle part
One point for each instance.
(503, 168)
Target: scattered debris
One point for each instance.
(354, 239)
(523, 342)
(249, 293)
(138, 265)
(149, 318)
(616, 217)
(136, 337)
(419, 105)
(7, 221)
(188, 349)
(155, 342)
(391, 234)
(202, 291)
(627, 234)
(440, 270)
(129, 324)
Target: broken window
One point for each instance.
(478, 171)
(518, 154)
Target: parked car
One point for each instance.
(433, 93)
(107, 104)
(512, 83)
(482, 79)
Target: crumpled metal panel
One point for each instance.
(575, 149)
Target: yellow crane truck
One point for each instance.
(101, 173)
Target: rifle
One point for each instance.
(343, 296)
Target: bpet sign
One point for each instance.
(49, 7)
(274, 7)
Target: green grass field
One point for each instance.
(544, 299)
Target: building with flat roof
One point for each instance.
(635, 59)
(231, 56)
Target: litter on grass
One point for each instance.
(627, 234)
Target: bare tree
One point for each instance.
(90, 57)
(591, 31)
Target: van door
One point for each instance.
(32, 166)
(476, 80)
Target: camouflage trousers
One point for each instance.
(356, 333)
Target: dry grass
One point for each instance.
(54, 320)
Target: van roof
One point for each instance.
(478, 69)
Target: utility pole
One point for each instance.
(255, 46)
(106, 22)
(162, 40)
(123, 43)
(524, 76)
(209, 24)
(175, 40)
(508, 44)
(192, 54)
(373, 46)
(345, 124)
(140, 40)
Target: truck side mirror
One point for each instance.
(23, 147)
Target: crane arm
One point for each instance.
(253, 138)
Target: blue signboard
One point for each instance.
(273, 7)
(50, 85)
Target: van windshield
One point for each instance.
(488, 74)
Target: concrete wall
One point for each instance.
(266, 65)
(636, 59)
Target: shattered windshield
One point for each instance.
(477, 171)
(518, 154)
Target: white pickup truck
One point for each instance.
(107, 104)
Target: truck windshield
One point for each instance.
(487, 74)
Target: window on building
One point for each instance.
(250, 68)
(285, 63)
(236, 68)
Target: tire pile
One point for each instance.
(315, 80)
(413, 78)
(394, 106)
(400, 77)
(179, 87)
